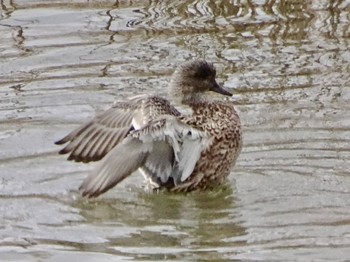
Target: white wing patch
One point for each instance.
(186, 142)
(189, 155)
(164, 148)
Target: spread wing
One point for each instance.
(166, 148)
(93, 140)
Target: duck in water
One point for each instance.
(187, 142)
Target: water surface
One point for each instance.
(287, 63)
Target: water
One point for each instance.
(287, 62)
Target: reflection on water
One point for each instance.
(175, 223)
(287, 63)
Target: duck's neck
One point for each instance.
(183, 93)
(181, 98)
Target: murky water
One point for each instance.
(288, 63)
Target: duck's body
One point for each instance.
(219, 120)
(190, 142)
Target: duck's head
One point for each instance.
(192, 79)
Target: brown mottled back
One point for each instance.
(220, 121)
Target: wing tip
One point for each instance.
(91, 191)
(63, 151)
(88, 193)
(61, 141)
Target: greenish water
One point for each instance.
(288, 65)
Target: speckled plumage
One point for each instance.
(188, 142)
(221, 121)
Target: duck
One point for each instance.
(188, 141)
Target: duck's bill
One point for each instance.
(218, 89)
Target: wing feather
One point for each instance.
(189, 155)
(166, 150)
(119, 163)
(93, 140)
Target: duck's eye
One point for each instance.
(204, 73)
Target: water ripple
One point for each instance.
(287, 63)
